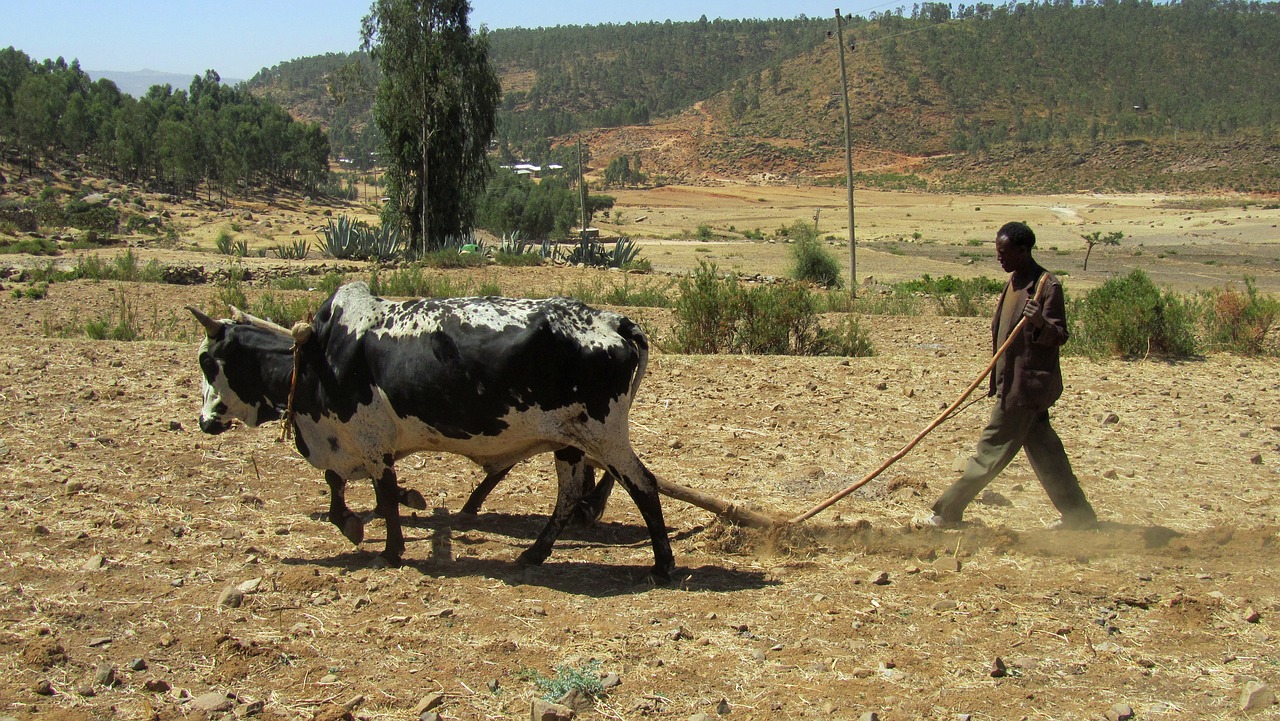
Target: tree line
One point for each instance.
(223, 138)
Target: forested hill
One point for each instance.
(1191, 88)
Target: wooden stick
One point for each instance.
(936, 422)
(725, 510)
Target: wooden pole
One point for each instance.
(723, 509)
(936, 422)
(848, 159)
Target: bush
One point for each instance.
(1131, 317)
(811, 261)
(1238, 322)
(31, 246)
(719, 315)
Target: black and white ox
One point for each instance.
(497, 380)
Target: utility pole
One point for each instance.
(582, 191)
(848, 158)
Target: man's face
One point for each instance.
(1012, 257)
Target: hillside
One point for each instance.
(1033, 97)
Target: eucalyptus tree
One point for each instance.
(435, 104)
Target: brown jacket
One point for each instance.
(1032, 376)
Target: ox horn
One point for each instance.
(211, 326)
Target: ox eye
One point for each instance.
(209, 366)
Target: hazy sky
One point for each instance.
(238, 38)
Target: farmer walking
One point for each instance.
(1026, 381)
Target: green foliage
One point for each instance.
(720, 315)
(346, 238)
(955, 297)
(1097, 238)
(436, 101)
(210, 134)
(1131, 317)
(297, 250)
(284, 311)
(592, 253)
(812, 262)
(229, 293)
(34, 291)
(120, 323)
(585, 679)
(1238, 322)
(645, 296)
(30, 246)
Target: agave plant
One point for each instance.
(625, 252)
(342, 238)
(384, 242)
(297, 250)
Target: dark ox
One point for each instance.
(494, 379)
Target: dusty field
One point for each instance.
(125, 525)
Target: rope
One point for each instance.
(301, 332)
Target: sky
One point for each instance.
(237, 38)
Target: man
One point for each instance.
(1026, 381)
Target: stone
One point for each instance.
(157, 685)
(1120, 712)
(231, 597)
(610, 681)
(43, 687)
(869, 716)
(947, 564)
(998, 669)
(946, 605)
(1256, 696)
(105, 675)
(879, 578)
(542, 710)
(95, 562)
(213, 702)
(428, 702)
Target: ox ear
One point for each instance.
(211, 326)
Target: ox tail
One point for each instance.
(639, 342)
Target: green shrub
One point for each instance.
(811, 261)
(584, 679)
(297, 250)
(284, 312)
(35, 290)
(645, 296)
(720, 315)
(1238, 322)
(1131, 317)
(120, 324)
(30, 246)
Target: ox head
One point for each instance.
(238, 360)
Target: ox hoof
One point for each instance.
(353, 529)
(384, 561)
(531, 558)
(661, 576)
(413, 499)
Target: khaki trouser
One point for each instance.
(1008, 431)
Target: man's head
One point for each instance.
(1014, 242)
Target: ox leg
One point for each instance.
(569, 462)
(595, 497)
(339, 515)
(386, 493)
(643, 489)
(478, 496)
